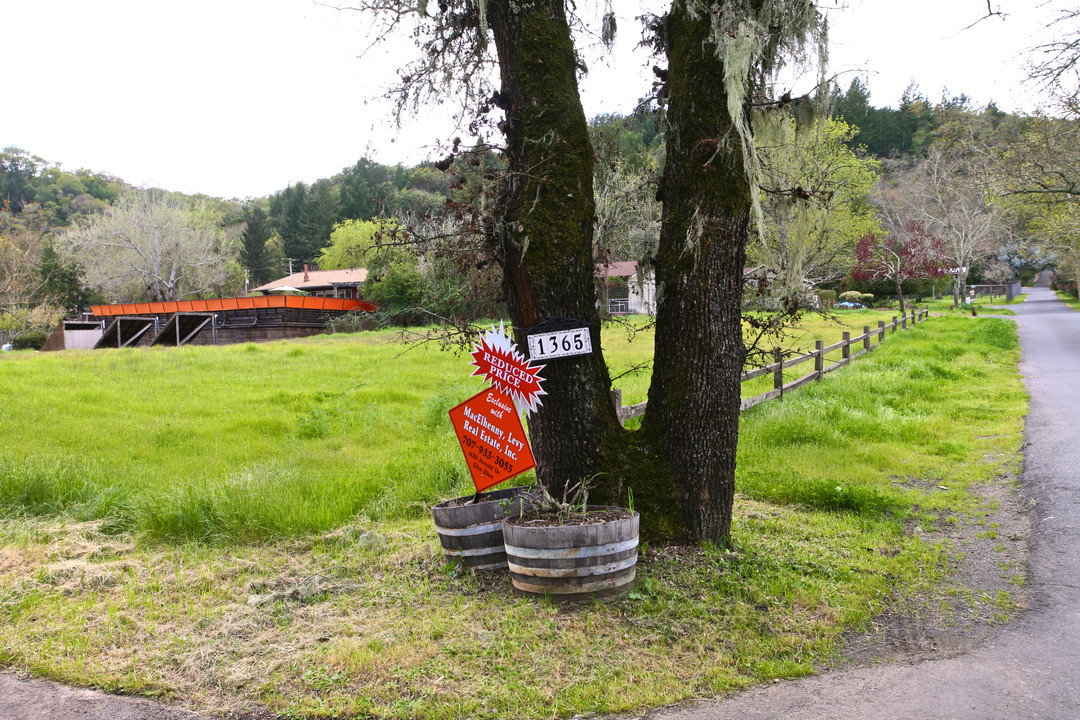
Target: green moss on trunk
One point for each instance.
(544, 231)
(694, 398)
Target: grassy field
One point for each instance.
(1069, 300)
(995, 305)
(246, 528)
(624, 350)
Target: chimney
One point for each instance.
(306, 278)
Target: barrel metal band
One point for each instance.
(474, 552)
(574, 572)
(570, 553)
(471, 530)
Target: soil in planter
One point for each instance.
(548, 519)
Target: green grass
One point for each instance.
(983, 305)
(625, 350)
(255, 441)
(243, 442)
(1069, 300)
(310, 465)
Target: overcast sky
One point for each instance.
(239, 98)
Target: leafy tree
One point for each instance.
(885, 132)
(60, 197)
(624, 184)
(353, 242)
(153, 245)
(26, 306)
(1058, 230)
(816, 204)
(365, 189)
(63, 280)
(23, 238)
(415, 203)
(17, 172)
(909, 255)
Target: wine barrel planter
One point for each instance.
(472, 534)
(573, 562)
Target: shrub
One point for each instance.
(866, 299)
(354, 321)
(851, 296)
(32, 340)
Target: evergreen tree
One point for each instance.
(305, 216)
(253, 253)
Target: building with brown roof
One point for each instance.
(320, 283)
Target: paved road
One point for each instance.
(1032, 668)
(23, 699)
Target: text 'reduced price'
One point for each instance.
(492, 437)
(497, 360)
(561, 343)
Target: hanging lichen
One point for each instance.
(481, 10)
(754, 39)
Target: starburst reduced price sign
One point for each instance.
(497, 359)
(488, 425)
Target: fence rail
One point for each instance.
(864, 342)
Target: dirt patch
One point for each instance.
(987, 585)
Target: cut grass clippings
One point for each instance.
(840, 486)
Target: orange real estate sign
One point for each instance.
(492, 438)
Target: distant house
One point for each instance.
(320, 283)
(639, 295)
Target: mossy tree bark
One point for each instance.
(681, 465)
(544, 230)
(694, 399)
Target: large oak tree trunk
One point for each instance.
(694, 399)
(544, 231)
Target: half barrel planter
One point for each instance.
(573, 562)
(472, 534)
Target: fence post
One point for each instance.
(778, 373)
(881, 331)
(866, 337)
(894, 324)
(819, 358)
(903, 319)
(845, 350)
(616, 400)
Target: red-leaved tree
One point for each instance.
(912, 254)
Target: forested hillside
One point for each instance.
(964, 175)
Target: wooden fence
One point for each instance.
(863, 343)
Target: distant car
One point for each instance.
(849, 305)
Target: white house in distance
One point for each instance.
(640, 295)
(320, 283)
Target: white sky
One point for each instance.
(239, 98)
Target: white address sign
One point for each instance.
(562, 343)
